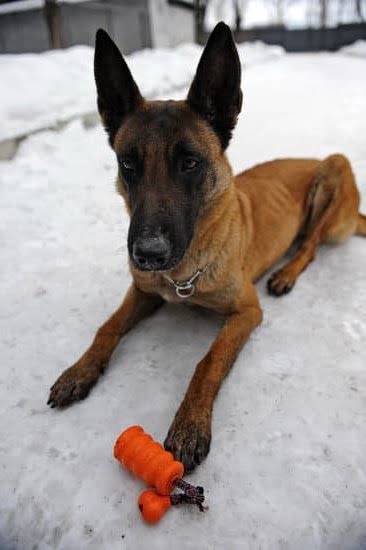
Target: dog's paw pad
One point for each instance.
(189, 443)
(280, 283)
(73, 385)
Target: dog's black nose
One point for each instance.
(151, 253)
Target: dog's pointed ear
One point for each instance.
(215, 92)
(118, 94)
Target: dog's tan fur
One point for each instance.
(245, 225)
(253, 223)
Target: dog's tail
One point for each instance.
(361, 225)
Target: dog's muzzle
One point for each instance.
(151, 253)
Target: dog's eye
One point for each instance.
(189, 163)
(128, 165)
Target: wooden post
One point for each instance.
(198, 20)
(53, 18)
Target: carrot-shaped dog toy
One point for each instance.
(148, 460)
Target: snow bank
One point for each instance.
(357, 49)
(40, 90)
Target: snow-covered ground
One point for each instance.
(287, 465)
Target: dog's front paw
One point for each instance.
(74, 384)
(281, 282)
(189, 439)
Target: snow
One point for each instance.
(41, 90)
(358, 49)
(287, 466)
(21, 5)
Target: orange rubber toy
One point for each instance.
(148, 460)
(153, 506)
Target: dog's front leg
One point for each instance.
(189, 436)
(75, 382)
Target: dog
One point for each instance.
(197, 234)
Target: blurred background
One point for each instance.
(298, 25)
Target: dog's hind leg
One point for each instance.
(332, 214)
(75, 382)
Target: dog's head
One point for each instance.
(170, 153)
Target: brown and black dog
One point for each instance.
(198, 234)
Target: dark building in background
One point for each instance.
(35, 26)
